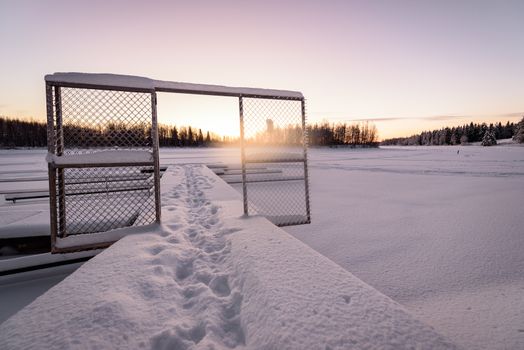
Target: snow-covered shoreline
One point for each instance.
(210, 277)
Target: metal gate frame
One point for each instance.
(303, 218)
(56, 170)
(123, 83)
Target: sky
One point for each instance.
(407, 66)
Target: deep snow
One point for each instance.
(437, 231)
(209, 278)
(440, 232)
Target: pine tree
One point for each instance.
(190, 138)
(174, 137)
(519, 132)
(200, 140)
(489, 138)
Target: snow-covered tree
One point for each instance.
(519, 132)
(489, 138)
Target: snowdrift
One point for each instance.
(210, 278)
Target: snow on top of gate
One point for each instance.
(116, 81)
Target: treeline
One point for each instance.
(171, 136)
(324, 134)
(20, 133)
(456, 135)
(353, 135)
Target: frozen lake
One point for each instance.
(440, 232)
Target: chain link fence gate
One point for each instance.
(103, 163)
(274, 159)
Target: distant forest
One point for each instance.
(467, 133)
(20, 133)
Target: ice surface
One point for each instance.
(211, 278)
(128, 81)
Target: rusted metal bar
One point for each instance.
(50, 170)
(154, 136)
(225, 94)
(306, 175)
(100, 87)
(80, 248)
(104, 165)
(243, 155)
(62, 232)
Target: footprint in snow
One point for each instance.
(220, 286)
(156, 249)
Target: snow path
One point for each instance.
(209, 278)
(208, 301)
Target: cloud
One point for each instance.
(385, 119)
(512, 115)
(372, 119)
(444, 117)
(428, 118)
(394, 119)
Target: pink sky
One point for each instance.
(419, 64)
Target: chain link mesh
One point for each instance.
(95, 120)
(91, 198)
(275, 143)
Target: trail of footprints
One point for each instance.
(194, 252)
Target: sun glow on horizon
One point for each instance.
(216, 114)
(405, 60)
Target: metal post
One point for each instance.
(154, 135)
(60, 172)
(50, 169)
(243, 155)
(305, 143)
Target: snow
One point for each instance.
(42, 259)
(134, 82)
(437, 231)
(170, 86)
(212, 278)
(24, 223)
(102, 157)
(102, 79)
(275, 157)
(102, 237)
(19, 290)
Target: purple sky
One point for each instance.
(423, 64)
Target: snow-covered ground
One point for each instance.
(440, 232)
(210, 278)
(437, 230)
(19, 290)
